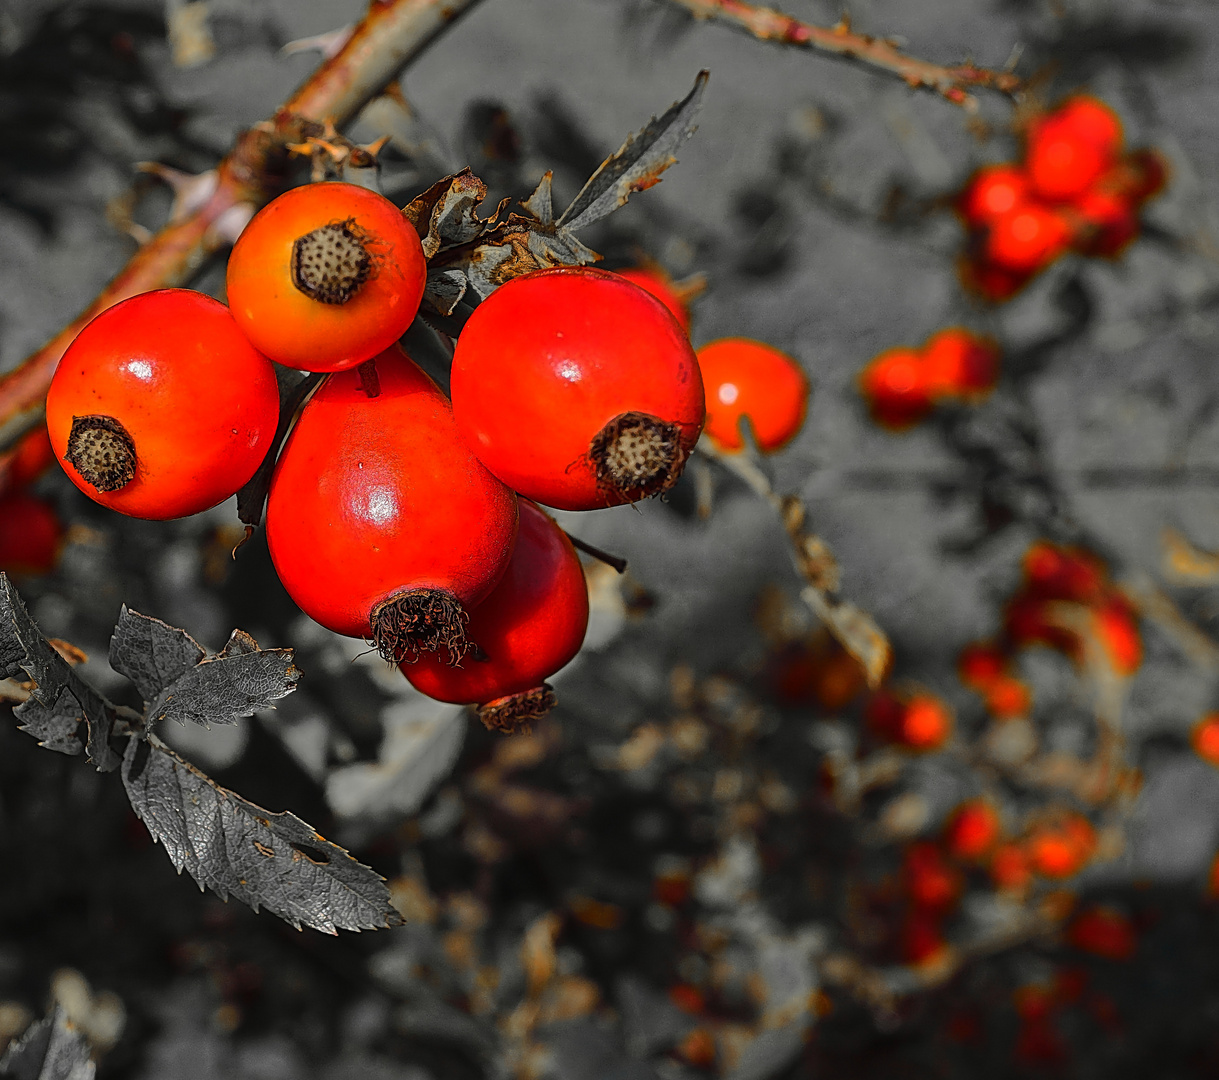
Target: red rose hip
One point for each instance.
(530, 626)
(578, 389)
(381, 523)
(160, 408)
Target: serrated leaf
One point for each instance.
(151, 653)
(638, 163)
(24, 648)
(236, 682)
(265, 860)
(51, 1049)
(56, 727)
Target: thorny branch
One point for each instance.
(951, 83)
(390, 35)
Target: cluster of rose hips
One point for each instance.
(1075, 190)
(902, 385)
(1054, 576)
(934, 872)
(396, 513)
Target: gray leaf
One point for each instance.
(23, 648)
(51, 1049)
(238, 849)
(638, 164)
(55, 727)
(151, 653)
(236, 682)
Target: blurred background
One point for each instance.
(719, 856)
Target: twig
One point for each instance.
(385, 41)
(951, 83)
(815, 563)
(615, 561)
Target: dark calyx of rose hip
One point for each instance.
(331, 263)
(101, 451)
(517, 711)
(637, 455)
(417, 621)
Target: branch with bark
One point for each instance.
(951, 82)
(389, 36)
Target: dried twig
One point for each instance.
(952, 83)
(381, 45)
(853, 627)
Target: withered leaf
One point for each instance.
(446, 214)
(51, 1049)
(151, 653)
(541, 203)
(236, 682)
(55, 726)
(856, 631)
(265, 860)
(444, 289)
(24, 649)
(638, 163)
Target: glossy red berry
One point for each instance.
(1205, 738)
(992, 191)
(749, 379)
(1027, 239)
(578, 389)
(1117, 628)
(895, 387)
(980, 664)
(959, 363)
(918, 721)
(1068, 150)
(1060, 849)
(381, 522)
(972, 830)
(161, 408)
(530, 625)
(326, 276)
